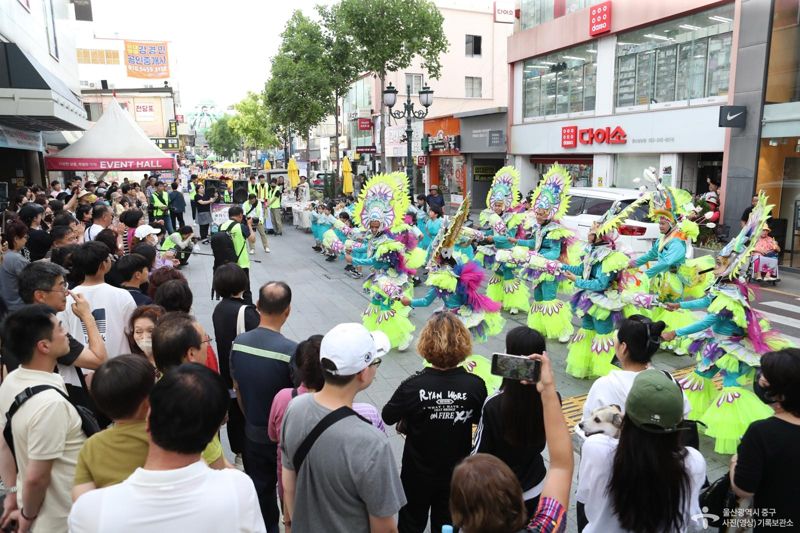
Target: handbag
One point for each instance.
(716, 498)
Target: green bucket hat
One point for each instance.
(655, 402)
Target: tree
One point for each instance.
(298, 93)
(252, 123)
(222, 139)
(344, 64)
(388, 35)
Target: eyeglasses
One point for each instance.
(376, 363)
(207, 340)
(62, 287)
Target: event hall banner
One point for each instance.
(147, 59)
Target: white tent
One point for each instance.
(115, 142)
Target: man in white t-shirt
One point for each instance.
(102, 217)
(46, 428)
(176, 490)
(111, 307)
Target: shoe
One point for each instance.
(316, 248)
(266, 249)
(513, 311)
(252, 251)
(330, 258)
(769, 278)
(348, 268)
(563, 339)
(355, 274)
(403, 347)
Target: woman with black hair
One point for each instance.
(767, 465)
(647, 481)
(15, 237)
(204, 200)
(512, 422)
(637, 341)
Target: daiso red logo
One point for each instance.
(600, 19)
(571, 136)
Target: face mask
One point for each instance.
(146, 345)
(763, 394)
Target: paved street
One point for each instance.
(323, 296)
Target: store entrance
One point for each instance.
(709, 165)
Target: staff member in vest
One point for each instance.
(239, 233)
(252, 186)
(159, 201)
(274, 200)
(254, 213)
(181, 242)
(193, 196)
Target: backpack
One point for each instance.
(222, 247)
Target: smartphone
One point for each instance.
(517, 367)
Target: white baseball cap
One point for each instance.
(145, 230)
(352, 348)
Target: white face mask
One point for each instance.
(146, 345)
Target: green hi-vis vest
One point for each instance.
(192, 191)
(253, 211)
(226, 196)
(169, 244)
(274, 197)
(252, 188)
(160, 206)
(239, 243)
(262, 191)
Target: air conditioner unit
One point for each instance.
(92, 85)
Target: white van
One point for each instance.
(588, 204)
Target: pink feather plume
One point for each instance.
(471, 277)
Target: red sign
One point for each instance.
(364, 124)
(111, 163)
(422, 160)
(179, 118)
(571, 136)
(600, 19)
(365, 149)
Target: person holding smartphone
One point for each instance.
(512, 422)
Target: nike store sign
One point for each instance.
(732, 116)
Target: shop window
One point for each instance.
(560, 83)
(631, 166)
(473, 45)
(783, 76)
(683, 59)
(473, 87)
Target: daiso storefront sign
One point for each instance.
(571, 136)
(600, 19)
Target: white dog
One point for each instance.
(606, 419)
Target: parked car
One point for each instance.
(588, 204)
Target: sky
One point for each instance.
(222, 47)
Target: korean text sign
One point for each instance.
(147, 59)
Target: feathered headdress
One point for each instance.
(504, 188)
(612, 219)
(382, 199)
(552, 193)
(445, 240)
(738, 250)
(667, 202)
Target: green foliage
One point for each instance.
(340, 55)
(222, 139)
(252, 123)
(298, 93)
(388, 34)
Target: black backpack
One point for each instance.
(222, 247)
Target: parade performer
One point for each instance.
(379, 211)
(601, 283)
(457, 280)
(729, 341)
(548, 238)
(673, 277)
(502, 218)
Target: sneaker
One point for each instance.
(403, 347)
(348, 268)
(330, 258)
(769, 278)
(316, 248)
(252, 251)
(563, 339)
(355, 274)
(513, 311)
(266, 249)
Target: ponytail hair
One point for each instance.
(642, 336)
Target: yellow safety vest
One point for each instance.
(239, 243)
(169, 244)
(252, 188)
(253, 211)
(160, 207)
(262, 191)
(192, 191)
(274, 198)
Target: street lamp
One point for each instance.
(408, 112)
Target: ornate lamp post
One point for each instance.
(408, 112)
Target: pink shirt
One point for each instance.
(765, 245)
(281, 402)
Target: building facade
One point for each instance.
(39, 86)
(610, 88)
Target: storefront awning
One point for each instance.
(32, 98)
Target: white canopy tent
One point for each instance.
(115, 142)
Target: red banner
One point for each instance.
(364, 124)
(80, 163)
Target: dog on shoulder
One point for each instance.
(606, 420)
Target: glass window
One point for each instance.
(473, 87)
(597, 206)
(563, 82)
(535, 12)
(680, 59)
(112, 57)
(783, 75)
(473, 45)
(98, 57)
(629, 167)
(50, 23)
(415, 82)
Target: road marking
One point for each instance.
(779, 319)
(793, 340)
(782, 305)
